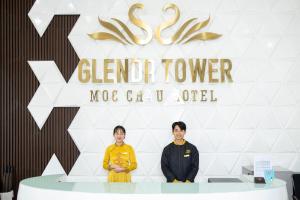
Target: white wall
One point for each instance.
(258, 113)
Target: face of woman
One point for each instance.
(119, 136)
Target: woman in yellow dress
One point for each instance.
(119, 158)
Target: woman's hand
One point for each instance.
(119, 169)
(113, 166)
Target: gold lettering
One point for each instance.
(86, 72)
(194, 93)
(128, 95)
(167, 63)
(139, 96)
(203, 95)
(94, 95)
(105, 95)
(185, 95)
(114, 95)
(108, 70)
(212, 98)
(226, 71)
(182, 63)
(94, 72)
(212, 70)
(197, 69)
(121, 72)
(159, 95)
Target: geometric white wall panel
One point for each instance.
(51, 82)
(53, 167)
(259, 113)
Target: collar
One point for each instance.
(180, 144)
(119, 145)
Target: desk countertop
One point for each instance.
(50, 186)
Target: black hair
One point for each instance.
(180, 124)
(119, 128)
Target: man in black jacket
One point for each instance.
(180, 159)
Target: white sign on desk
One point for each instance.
(261, 163)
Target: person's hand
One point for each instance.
(113, 166)
(119, 169)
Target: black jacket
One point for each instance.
(180, 162)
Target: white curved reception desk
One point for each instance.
(49, 188)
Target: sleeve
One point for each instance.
(133, 162)
(165, 167)
(106, 159)
(195, 166)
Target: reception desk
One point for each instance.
(49, 187)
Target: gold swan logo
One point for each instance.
(192, 34)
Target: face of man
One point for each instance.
(178, 133)
(119, 136)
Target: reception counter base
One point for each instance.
(49, 187)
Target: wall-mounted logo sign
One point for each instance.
(156, 75)
(182, 36)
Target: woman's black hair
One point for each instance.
(119, 128)
(180, 124)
